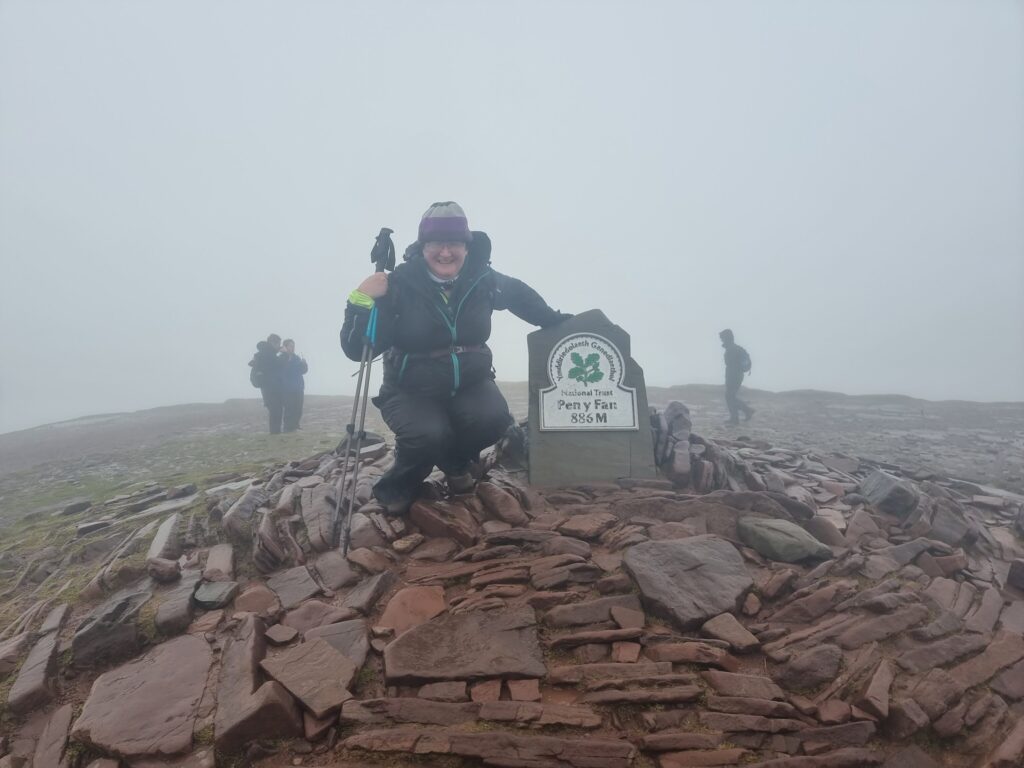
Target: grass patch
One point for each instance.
(204, 736)
(147, 622)
(78, 753)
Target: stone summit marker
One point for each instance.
(589, 420)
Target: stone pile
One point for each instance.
(758, 607)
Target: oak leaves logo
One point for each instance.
(586, 371)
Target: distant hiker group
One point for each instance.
(278, 373)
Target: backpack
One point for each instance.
(745, 361)
(255, 374)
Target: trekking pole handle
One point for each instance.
(383, 252)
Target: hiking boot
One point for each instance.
(461, 483)
(398, 507)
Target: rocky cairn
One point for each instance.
(757, 606)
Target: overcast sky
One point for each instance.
(842, 183)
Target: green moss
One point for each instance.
(147, 622)
(204, 736)
(78, 753)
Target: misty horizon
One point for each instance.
(842, 187)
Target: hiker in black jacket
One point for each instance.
(433, 321)
(737, 363)
(267, 371)
(293, 385)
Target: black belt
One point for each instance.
(445, 352)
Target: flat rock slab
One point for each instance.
(412, 606)
(148, 706)
(1010, 682)
(364, 596)
(34, 685)
(871, 630)
(347, 637)
(694, 653)
(579, 673)
(110, 631)
(501, 748)
(318, 515)
(745, 686)
(702, 757)
(678, 740)
(910, 757)
(688, 581)
(845, 735)
(334, 570)
(55, 619)
(728, 629)
(943, 652)
(175, 612)
(450, 692)
(425, 712)
(256, 598)
(588, 526)
(293, 586)
(212, 595)
(597, 637)
(315, 673)
(476, 644)
(590, 611)
(314, 613)
(50, 747)
(220, 563)
(280, 634)
(740, 706)
(810, 669)
(717, 721)
(246, 710)
(166, 545)
(11, 650)
(677, 695)
(1006, 648)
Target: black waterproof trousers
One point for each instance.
(732, 396)
(293, 410)
(273, 399)
(447, 432)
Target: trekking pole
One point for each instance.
(383, 257)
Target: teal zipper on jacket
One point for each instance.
(453, 329)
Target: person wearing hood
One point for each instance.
(433, 321)
(268, 375)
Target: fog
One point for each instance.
(841, 183)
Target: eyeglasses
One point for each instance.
(435, 248)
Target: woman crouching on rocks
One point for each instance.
(433, 322)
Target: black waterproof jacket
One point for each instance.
(269, 364)
(433, 346)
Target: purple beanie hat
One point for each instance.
(444, 222)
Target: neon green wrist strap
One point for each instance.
(360, 299)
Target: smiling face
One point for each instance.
(445, 260)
